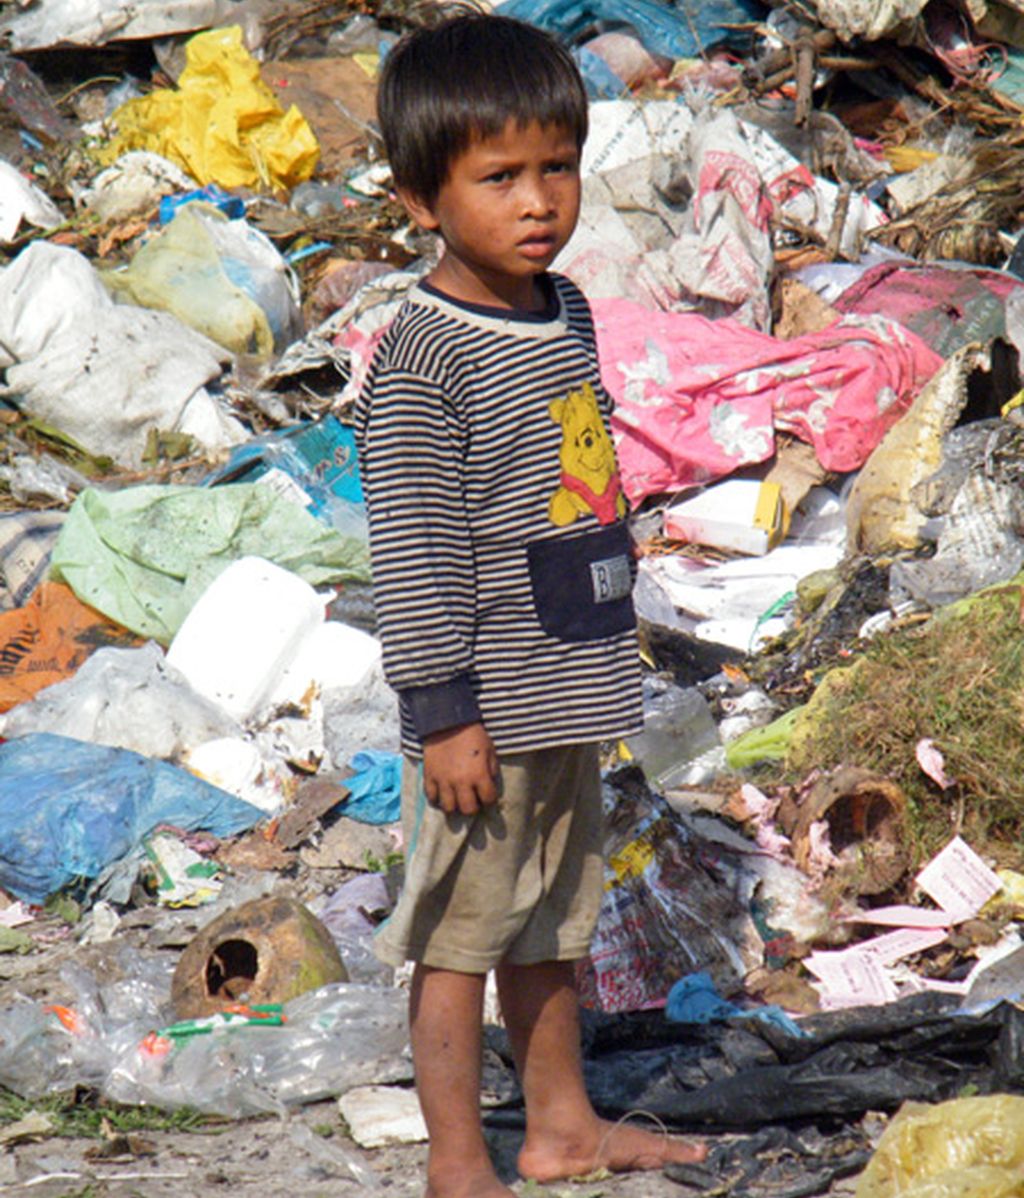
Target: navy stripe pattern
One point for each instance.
(459, 457)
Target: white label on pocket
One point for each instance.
(611, 579)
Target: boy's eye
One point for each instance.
(498, 177)
(561, 168)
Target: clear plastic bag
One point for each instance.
(340, 1036)
(331, 1040)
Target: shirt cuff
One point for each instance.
(441, 705)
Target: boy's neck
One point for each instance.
(518, 294)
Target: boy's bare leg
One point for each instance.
(445, 1018)
(564, 1136)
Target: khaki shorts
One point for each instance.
(519, 882)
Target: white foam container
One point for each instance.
(244, 632)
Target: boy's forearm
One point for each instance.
(441, 705)
(420, 543)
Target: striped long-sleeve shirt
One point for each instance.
(501, 557)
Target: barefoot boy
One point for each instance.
(502, 577)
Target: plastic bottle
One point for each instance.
(678, 727)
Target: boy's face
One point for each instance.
(508, 206)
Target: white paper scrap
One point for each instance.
(850, 979)
(904, 942)
(15, 915)
(902, 916)
(958, 880)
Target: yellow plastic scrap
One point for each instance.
(965, 1148)
(222, 124)
(908, 158)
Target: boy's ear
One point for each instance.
(420, 211)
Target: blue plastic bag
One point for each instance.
(69, 808)
(670, 32)
(375, 789)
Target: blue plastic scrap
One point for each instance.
(69, 808)
(374, 788)
(680, 32)
(694, 999)
(232, 206)
(320, 456)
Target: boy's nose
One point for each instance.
(537, 197)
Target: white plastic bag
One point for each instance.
(127, 699)
(103, 373)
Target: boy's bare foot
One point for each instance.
(457, 1183)
(618, 1147)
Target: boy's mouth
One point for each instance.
(537, 246)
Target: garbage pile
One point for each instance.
(801, 235)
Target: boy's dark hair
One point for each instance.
(441, 87)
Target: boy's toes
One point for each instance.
(628, 1147)
(617, 1147)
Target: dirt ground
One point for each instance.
(254, 1159)
(309, 1152)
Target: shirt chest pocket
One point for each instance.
(583, 585)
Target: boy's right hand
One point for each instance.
(460, 769)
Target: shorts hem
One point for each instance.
(563, 953)
(436, 957)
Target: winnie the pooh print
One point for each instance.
(590, 479)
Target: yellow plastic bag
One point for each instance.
(966, 1148)
(222, 124)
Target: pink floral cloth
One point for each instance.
(697, 399)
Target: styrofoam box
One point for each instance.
(243, 633)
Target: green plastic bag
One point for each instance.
(144, 555)
(770, 743)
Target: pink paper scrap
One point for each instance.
(958, 880)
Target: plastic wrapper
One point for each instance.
(345, 913)
(146, 369)
(223, 277)
(678, 726)
(687, 414)
(134, 185)
(870, 19)
(666, 911)
(662, 29)
(315, 463)
(966, 1148)
(222, 123)
(47, 640)
(96, 22)
(45, 478)
(26, 539)
(21, 200)
(343, 1036)
(361, 717)
(127, 699)
(627, 58)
